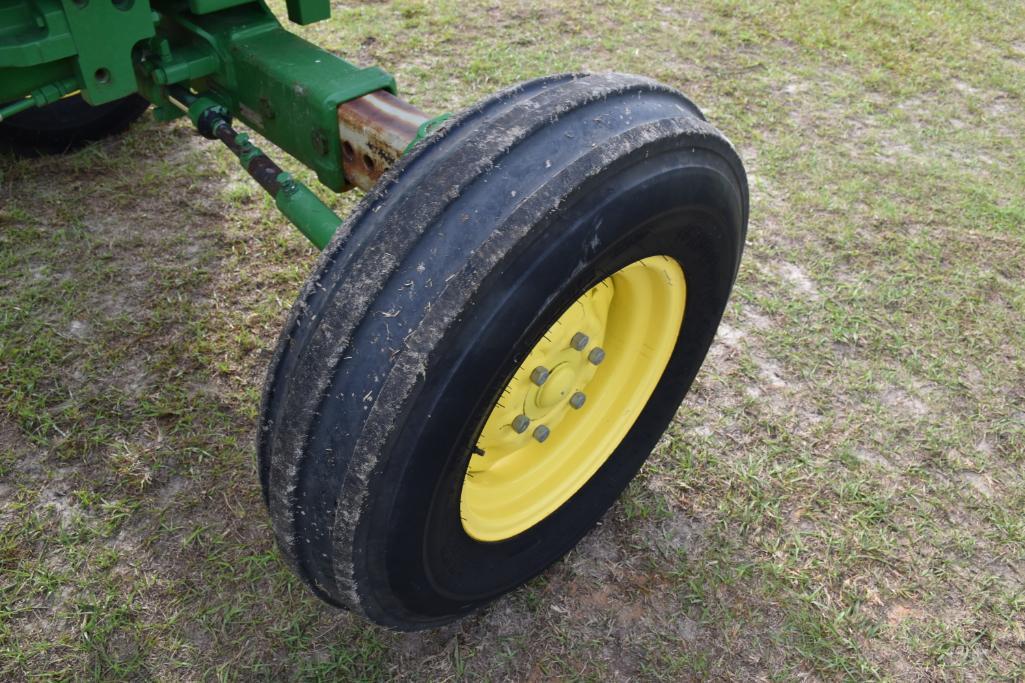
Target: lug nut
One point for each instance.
(540, 375)
(579, 341)
(596, 356)
(541, 433)
(577, 400)
(520, 423)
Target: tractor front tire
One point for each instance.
(67, 125)
(491, 346)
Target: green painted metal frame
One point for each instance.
(234, 53)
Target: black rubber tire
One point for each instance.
(67, 125)
(423, 306)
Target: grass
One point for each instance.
(840, 497)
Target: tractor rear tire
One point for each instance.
(67, 124)
(603, 204)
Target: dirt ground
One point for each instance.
(841, 496)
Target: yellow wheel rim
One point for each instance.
(574, 398)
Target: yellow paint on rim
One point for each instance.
(633, 317)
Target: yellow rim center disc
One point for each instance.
(574, 398)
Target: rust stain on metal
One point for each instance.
(375, 129)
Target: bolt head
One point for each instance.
(579, 341)
(596, 356)
(541, 433)
(540, 375)
(577, 400)
(520, 423)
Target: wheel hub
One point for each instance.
(557, 388)
(573, 398)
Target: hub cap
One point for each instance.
(630, 322)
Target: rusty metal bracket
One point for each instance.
(376, 130)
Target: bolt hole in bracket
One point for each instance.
(348, 152)
(104, 62)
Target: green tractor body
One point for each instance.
(234, 53)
